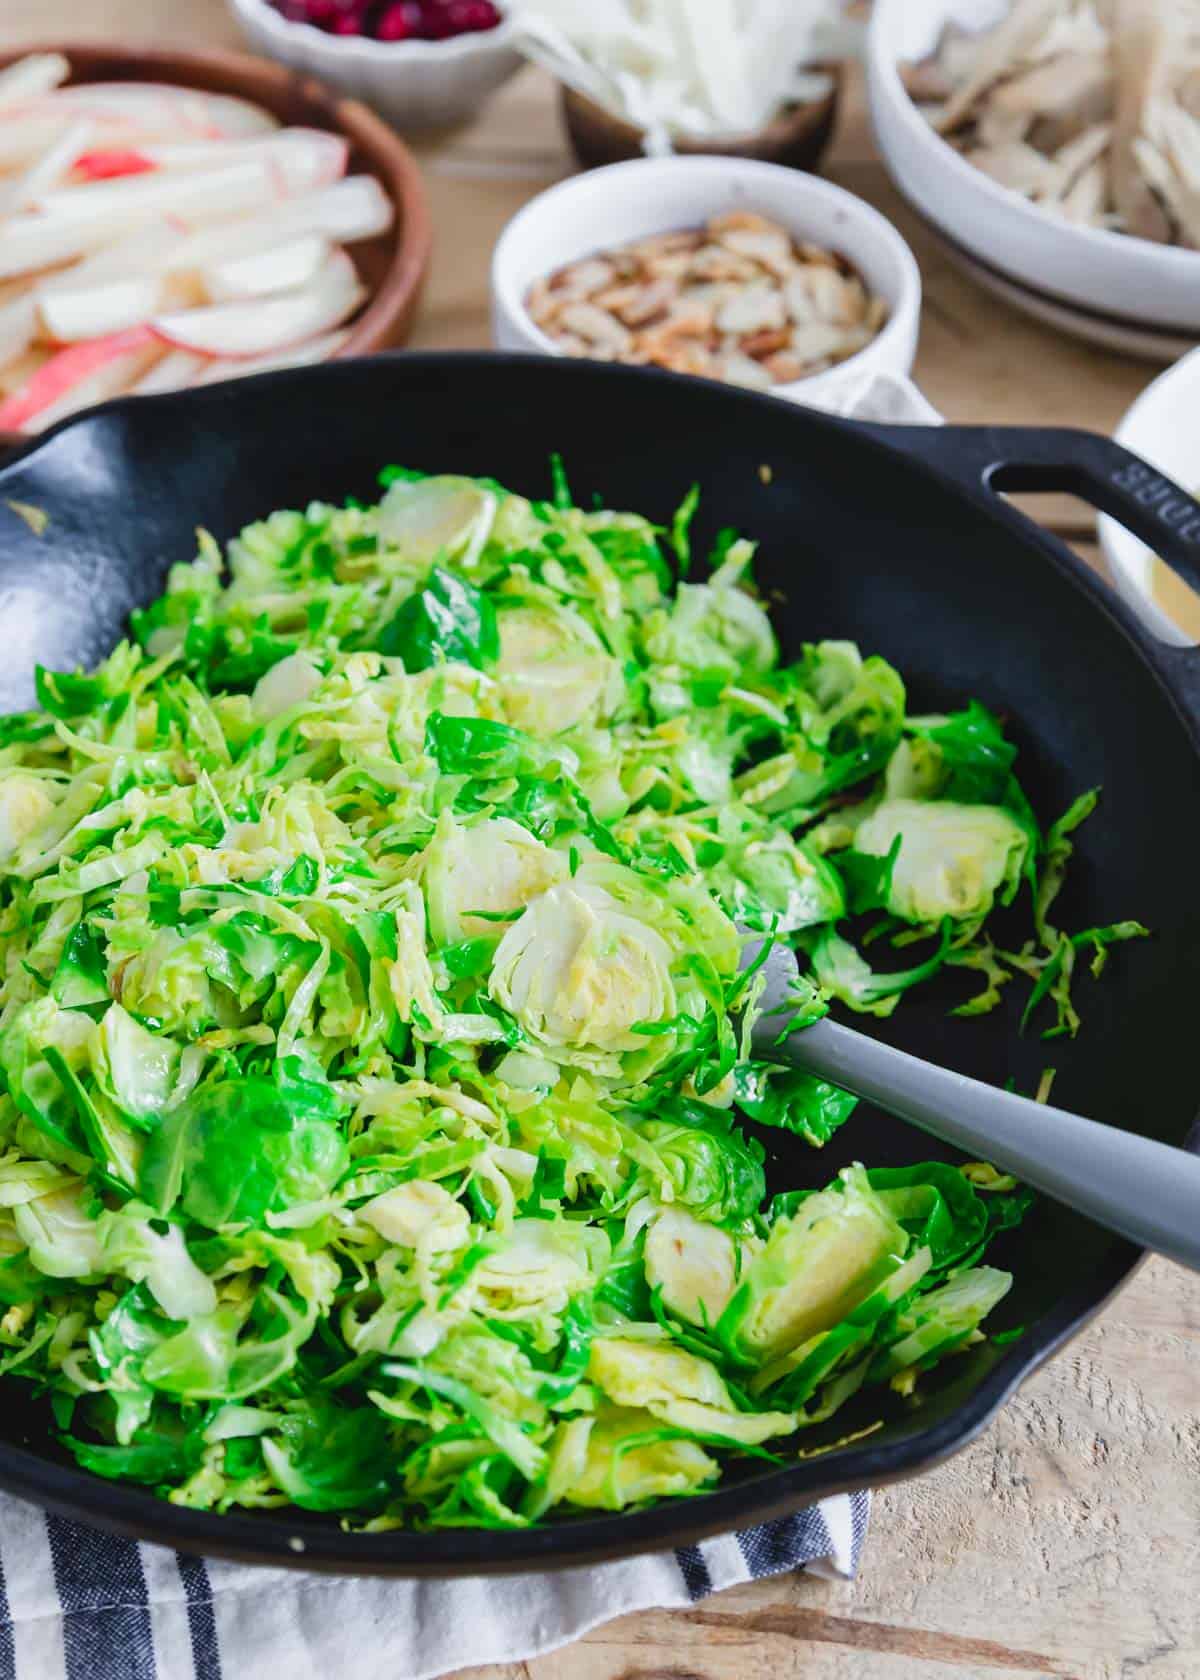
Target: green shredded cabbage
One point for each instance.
(378, 1127)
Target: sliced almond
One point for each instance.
(785, 367)
(772, 250)
(584, 278)
(818, 340)
(664, 244)
(751, 309)
(714, 262)
(651, 303)
(740, 369)
(596, 326)
(763, 344)
(739, 221)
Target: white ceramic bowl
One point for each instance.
(414, 84)
(1107, 275)
(607, 208)
(1162, 427)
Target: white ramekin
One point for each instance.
(1163, 427)
(607, 208)
(414, 84)
(1113, 277)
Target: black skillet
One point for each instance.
(894, 536)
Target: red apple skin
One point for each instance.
(107, 164)
(56, 377)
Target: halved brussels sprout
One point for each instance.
(62, 1236)
(538, 1267)
(693, 1264)
(138, 1068)
(954, 860)
(25, 803)
(794, 1377)
(289, 683)
(775, 883)
(418, 1212)
(942, 1319)
(715, 628)
(814, 1269)
(625, 1457)
(578, 973)
(132, 1246)
(444, 518)
(554, 671)
(494, 866)
(598, 968)
(680, 1389)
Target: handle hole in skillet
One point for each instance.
(1067, 516)
(1074, 521)
(1122, 550)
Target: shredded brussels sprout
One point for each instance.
(379, 1115)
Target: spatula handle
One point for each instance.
(1146, 1191)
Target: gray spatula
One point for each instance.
(1144, 1190)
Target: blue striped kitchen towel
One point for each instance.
(79, 1605)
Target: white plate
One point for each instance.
(1150, 344)
(1142, 285)
(1163, 427)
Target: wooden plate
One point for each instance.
(393, 265)
(798, 137)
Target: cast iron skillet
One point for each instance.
(890, 535)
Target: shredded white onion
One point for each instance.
(687, 67)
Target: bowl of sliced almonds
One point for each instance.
(725, 268)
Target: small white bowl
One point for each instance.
(1162, 427)
(1115, 280)
(607, 208)
(414, 84)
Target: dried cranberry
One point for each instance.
(469, 17)
(399, 21)
(351, 18)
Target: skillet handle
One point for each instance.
(1079, 463)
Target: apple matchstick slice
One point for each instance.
(206, 194)
(282, 268)
(298, 355)
(71, 315)
(266, 325)
(48, 170)
(29, 77)
(147, 250)
(18, 327)
(202, 115)
(77, 377)
(348, 210)
(26, 130)
(70, 223)
(174, 372)
(307, 157)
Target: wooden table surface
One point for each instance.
(1066, 1541)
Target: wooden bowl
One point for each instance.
(393, 265)
(798, 137)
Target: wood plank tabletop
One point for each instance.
(1066, 1541)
